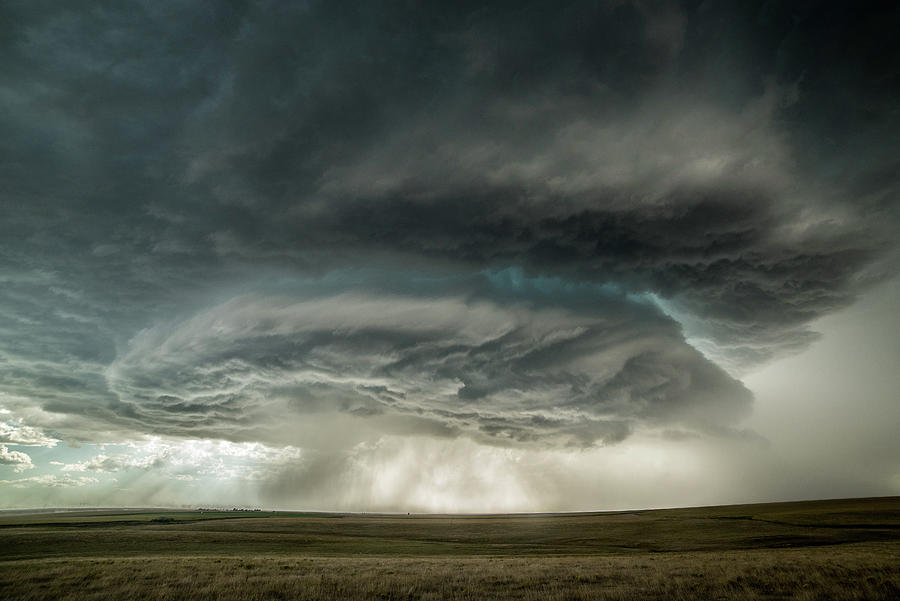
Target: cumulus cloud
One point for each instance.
(188, 460)
(14, 432)
(51, 481)
(115, 463)
(17, 459)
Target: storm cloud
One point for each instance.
(507, 371)
(526, 224)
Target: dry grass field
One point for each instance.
(847, 549)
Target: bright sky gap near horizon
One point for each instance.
(449, 256)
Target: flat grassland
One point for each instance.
(840, 549)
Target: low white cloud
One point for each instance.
(13, 431)
(17, 459)
(188, 460)
(51, 481)
(115, 463)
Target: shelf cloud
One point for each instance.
(530, 225)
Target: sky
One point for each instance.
(449, 256)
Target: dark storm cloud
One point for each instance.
(502, 371)
(166, 165)
(719, 253)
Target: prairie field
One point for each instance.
(841, 549)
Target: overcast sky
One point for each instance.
(458, 256)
